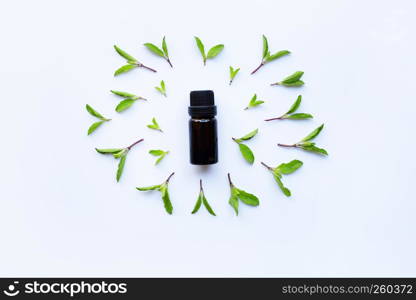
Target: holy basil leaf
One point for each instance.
(248, 198)
(157, 152)
(125, 104)
(293, 84)
(247, 153)
(124, 69)
(108, 151)
(207, 206)
(149, 188)
(160, 159)
(233, 73)
(299, 116)
(277, 55)
(124, 54)
(94, 126)
(200, 47)
(93, 112)
(165, 47)
(154, 125)
(290, 167)
(314, 149)
(120, 153)
(214, 51)
(285, 190)
(198, 203)
(313, 134)
(293, 78)
(121, 167)
(153, 48)
(166, 199)
(295, 105)
(250, 135)
(233, 201)
(123, 94)
(265, 47)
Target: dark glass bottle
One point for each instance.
(203, 139)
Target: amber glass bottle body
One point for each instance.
(203, 138)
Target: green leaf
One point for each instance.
(207, 206)
(165, 47)
(149, 188)
(160, 153)
(233, 201)
(108, 151)
(214, 51)
(312, 148)
(313, 134)
(124, 69)
(160, 159)
(93, 112)
(153, 48)
(284, 189)
(162, 88)
(124, 94)
(248, 198)
(294, 84)
(265, 47)
(289, 168)
(295, 105)
(277, 55)
(157, 152)
(198, 203)
(250, 135)
(233, 73)
(247, 153)
(94, 126)
(120, 153)
(293, 78)
(200, 47)
(155, 125)
(253, 102)
(299, 116)
(166, 198)
(121, 166)
(125, 54)
(125, 104)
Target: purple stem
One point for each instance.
(256, 69)
(135, 143)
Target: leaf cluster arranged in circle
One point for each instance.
(237, 195)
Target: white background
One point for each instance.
(62, 212)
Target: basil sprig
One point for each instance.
(164, 189)
(132, 62)
(284, 169)
(238, 195)
(160, 52)
(202, 200)
(244, 149)
(306, 143)
(290, 114)
(119, 153)
(267, 57)
(96, 114)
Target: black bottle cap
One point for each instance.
(202, 104)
